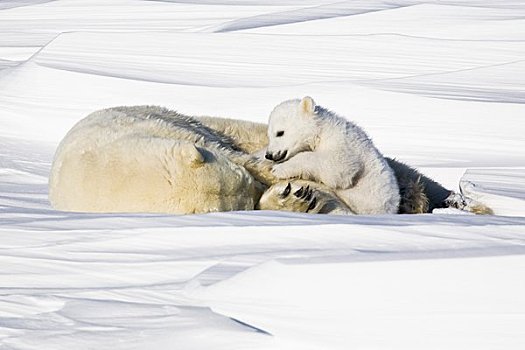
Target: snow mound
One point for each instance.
(333, 10)
(368, 304)
(501, 189)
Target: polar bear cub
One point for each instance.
(312, 143)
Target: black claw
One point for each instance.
(305, 193)
(312, 204)
(287, 190)
(299, 192)
(308, 195)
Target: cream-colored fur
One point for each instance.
(250, 137)
(150, 159)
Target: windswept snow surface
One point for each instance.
(438, 84)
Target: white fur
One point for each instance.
(323, 147)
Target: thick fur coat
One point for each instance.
(151, 159)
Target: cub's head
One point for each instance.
(291, 129)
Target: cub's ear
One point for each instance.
(307, 105)
(192, 155)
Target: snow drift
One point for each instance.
(438, 85)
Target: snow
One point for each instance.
(438, 84)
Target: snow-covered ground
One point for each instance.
(438, 84)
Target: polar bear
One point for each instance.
(151, 159)
(312, 143)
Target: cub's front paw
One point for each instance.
(282, 171)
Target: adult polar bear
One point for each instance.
(151, 159)
(312, 143)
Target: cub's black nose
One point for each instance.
(268, 156)
(280, 156)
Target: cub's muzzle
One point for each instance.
(276, 157)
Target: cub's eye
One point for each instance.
(279, 133)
